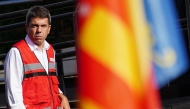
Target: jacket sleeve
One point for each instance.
(13, 68)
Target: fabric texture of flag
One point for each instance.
(114, 56)
(169, 52)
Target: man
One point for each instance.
(30, 75)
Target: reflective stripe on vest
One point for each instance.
(35, 66)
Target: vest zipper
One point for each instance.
(50, 88)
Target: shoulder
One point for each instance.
(47, 45)
(13, 54)
(13, 51)
(20, 43)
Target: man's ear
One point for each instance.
(49, 29)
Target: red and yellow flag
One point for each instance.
(114, 56)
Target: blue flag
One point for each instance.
(169, 52)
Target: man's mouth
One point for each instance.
(38, 36)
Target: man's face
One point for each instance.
(37, 30)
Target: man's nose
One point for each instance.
(39, 29)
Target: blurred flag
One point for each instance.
(170, 57)
(114, 56)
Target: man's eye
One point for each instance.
(33, 26)
(44, 26)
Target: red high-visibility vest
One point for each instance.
(40, 90)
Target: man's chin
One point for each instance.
(38, 43)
